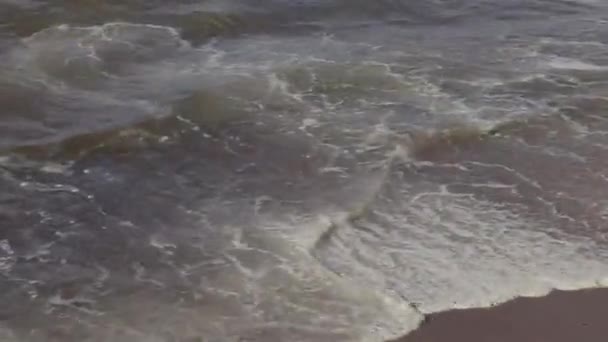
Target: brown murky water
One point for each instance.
(294, 170)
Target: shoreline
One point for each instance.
(561, 316)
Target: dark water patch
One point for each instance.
(25, 21)
(581, 116)
(425, 145)
(517, 10)
(156, 262)
(199, 22)
(204, 113)
(120, 141)
(537, 88)
(199, 27)
(46, 127)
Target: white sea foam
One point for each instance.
(574, 64)
(97, 51)
(7, 256)
(444, 251)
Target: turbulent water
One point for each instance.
(274, 170)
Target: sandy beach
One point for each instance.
(562, 316)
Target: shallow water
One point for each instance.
(294, 170)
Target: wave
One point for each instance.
(115, 141)
(441, 249)
(202, 113)
(431, 144)
(200, 22)
(77, 54)
(425, 145)
(421, 225)
(65, 72)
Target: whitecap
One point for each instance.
(574, 64)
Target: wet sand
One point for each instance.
(569, 316)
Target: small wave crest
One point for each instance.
(201, 113)
(87, 55)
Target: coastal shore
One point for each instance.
(561, 316)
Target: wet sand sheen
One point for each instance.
(562, 316)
